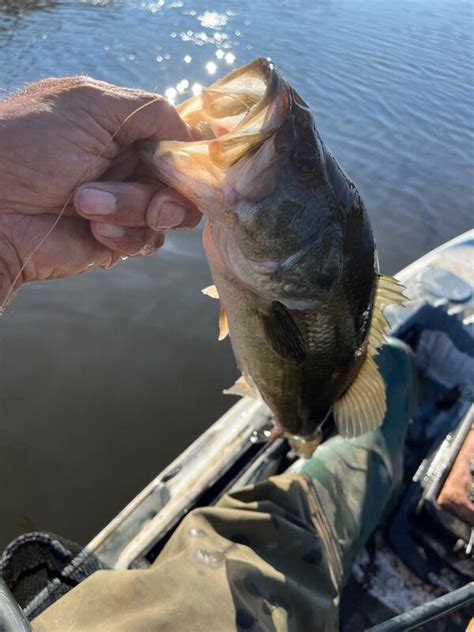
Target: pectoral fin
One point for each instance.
(283, 333)
(363, 405)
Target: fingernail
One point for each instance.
(97, 202)
(169, 215)
(110, 230)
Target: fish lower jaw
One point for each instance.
(308, 438)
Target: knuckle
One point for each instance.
(152, 105)
(55, 86)
(169, 114)
(86, 89)
(167, 109)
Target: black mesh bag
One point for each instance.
(39, 568)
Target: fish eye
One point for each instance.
(305, 158)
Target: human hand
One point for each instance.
(59, 133)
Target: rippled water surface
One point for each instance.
(105, 378)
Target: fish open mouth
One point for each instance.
(235, 116)
(243, 103)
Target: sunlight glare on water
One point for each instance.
(211, 67)
(212, 19)
(170, 94)
(122, 369)
(196, 89)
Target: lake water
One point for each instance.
(106, 377)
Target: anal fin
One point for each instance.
(363, 405)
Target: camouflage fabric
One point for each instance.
(271, 557)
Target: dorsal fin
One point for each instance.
(389, 291)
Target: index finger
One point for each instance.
(142, 115)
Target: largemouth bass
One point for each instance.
(290, 249)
